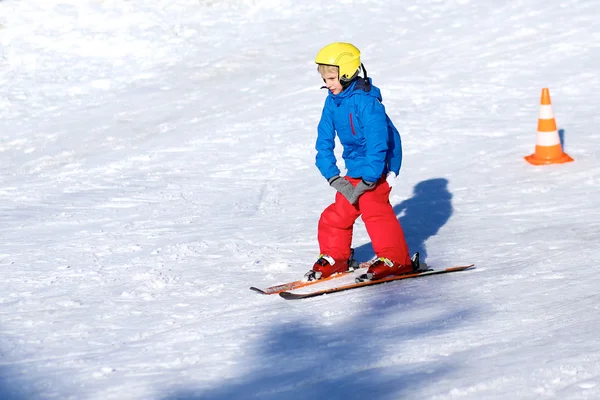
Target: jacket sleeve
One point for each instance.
(325, 159)
(376, 135)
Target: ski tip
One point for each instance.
(290, 296)
(257, 290)
(461, 267)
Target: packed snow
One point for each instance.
(157, 160)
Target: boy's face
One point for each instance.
(332, 83)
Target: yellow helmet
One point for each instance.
(345, 56)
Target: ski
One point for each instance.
(284, 287)
(297, 296)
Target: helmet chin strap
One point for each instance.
(365, 77)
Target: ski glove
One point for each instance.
(343, 186)
(363, 186)
(351, 193)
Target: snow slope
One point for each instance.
(156, 160)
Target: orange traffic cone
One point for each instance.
(548, 149)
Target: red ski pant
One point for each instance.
(337, 221)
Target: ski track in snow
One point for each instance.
(156, 160)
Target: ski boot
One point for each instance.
(327, 266)
(382, 268)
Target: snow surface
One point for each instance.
(157, 159)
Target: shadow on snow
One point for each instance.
(302, 361)
(421, 216)
(13, 384)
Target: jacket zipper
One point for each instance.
(352, 125)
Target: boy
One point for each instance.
(372, 152)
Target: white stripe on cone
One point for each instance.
(546, 111)
(547, 138)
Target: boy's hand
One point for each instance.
(359, 189)
(343, 186)
(351, 193)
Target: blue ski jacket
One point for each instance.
(372, 145)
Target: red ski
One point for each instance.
(298, 284)
(296, 296)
